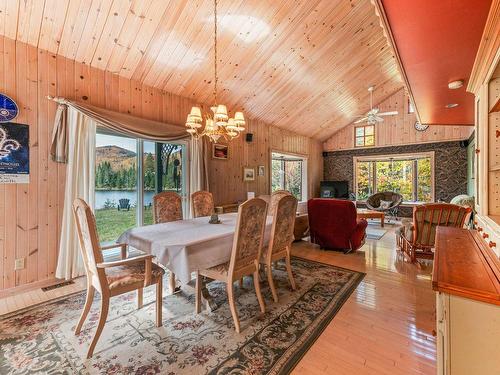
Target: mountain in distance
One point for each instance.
(118, 157)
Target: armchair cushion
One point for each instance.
(333, 224)
(134, 273)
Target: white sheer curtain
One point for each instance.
(80, 176)
(198, 178)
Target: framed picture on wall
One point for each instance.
(248, 174)
(220, 151)
(14, 153)
(261, 170)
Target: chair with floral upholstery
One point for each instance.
(167, 206)
(282, 236)
(275, 197)
(111, 278)
(202, 203)
(245, 255)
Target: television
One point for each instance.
(334, 189)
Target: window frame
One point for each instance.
(364, 136)
(387, 157)
(302, 157)
(186, 165)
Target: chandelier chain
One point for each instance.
(216, 78)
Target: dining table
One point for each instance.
(185, 246)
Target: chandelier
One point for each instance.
(218, 124)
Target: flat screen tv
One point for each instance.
(334, 189)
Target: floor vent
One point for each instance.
(60, 285)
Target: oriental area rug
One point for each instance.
(40, 340)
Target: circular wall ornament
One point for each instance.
(419, 127)
(8, 109)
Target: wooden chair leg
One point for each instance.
(197, 302)
(257, 291)
(159, 302)
(102, 320)
(171, 282)
(270, 281)
(140, 294)
(232, 306)
(86, 308)
(289, 271)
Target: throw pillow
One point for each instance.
(384, 205)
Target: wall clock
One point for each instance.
(419, 127)
(8, 109)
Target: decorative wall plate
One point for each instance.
(8, 109)
(419, 127)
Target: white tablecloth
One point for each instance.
(185, 246)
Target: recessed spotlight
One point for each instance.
(451, 105)
(453, 85)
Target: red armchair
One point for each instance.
(333, 224)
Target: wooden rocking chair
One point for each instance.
(417, 240)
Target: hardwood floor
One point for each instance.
(385, 327)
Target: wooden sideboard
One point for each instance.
(466, 277)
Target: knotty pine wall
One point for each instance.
(30, 214)
(399, 129)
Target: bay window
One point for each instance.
(412, 176)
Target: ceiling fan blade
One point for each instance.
(378, 119)
(391, 113)
(375, 110)
(361, 120)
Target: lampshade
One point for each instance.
(195, 114)
(221, 112)
(231, 126)
(238, 116)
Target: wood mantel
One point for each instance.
(465, 266)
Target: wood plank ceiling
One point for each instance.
(300, 65)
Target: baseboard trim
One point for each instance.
(28, 287)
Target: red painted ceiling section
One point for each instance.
(437, 41)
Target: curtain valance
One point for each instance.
(117, 122)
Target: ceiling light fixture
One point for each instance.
(451, 105)
(219, 124)
(453, 85)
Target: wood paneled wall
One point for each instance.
(399, 129)
(30, 214)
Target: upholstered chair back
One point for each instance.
(427, 217)
(249, 235)
(167, 206)
(275, 197)
(87, 234)
(283, 224)
(202, 203)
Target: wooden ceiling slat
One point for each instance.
(54, 16)
(112, 29)
(308, 74)
(98, 15)
(151, 23)
(169, 19)
(128, 34)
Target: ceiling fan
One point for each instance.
(373, 116)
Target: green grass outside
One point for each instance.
(111, 223)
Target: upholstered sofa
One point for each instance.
(333, 224)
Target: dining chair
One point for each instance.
(167, 206)
(280, 241)
(245, 255)
(111, 278)
(202, 203)
(275, 197)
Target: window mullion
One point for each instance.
(140, 183)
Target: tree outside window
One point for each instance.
(410, 176)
